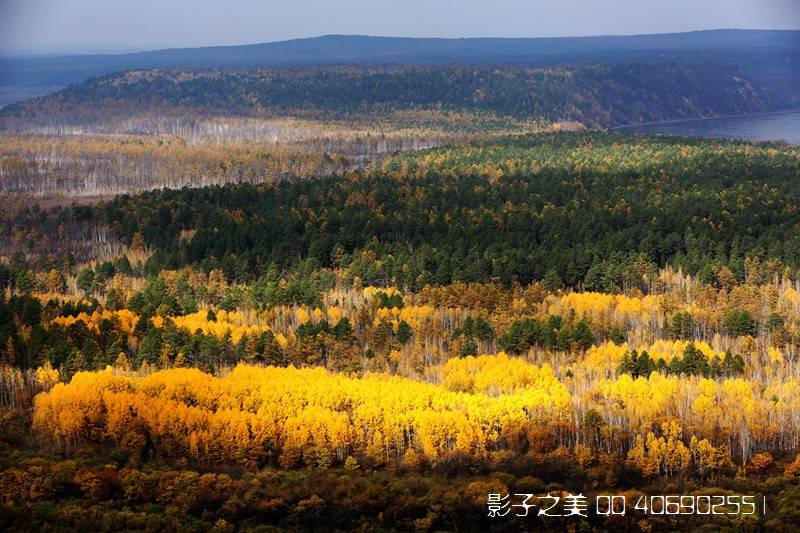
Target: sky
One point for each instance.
(81, 26)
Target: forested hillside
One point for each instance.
(582, 207)
(174, 150)
(538, 313)
(369, 296)
(594, 95)
(763, 51)
(131, 131)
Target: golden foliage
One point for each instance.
(231, 323)
(125, 319)
(238, 417)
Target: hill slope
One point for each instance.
(595, 95)
(773, 49)
(585, 206)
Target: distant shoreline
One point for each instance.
(703, 119)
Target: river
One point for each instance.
(762, 127)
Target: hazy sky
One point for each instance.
(114, 25)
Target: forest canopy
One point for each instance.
(576, 208)
(604, 94)
(380, 297)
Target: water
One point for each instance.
(766, 127)
(10, 94)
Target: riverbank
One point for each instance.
(776, 126)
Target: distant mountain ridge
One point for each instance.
(355, 49)
(593, 95)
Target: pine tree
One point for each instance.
(251, 348)
(343, 330)
(86, 281)
(643, 365)
(137, 242)
(404, 332)
(24, 282)
(582, 335)
(468, 347)
(617, 336)
(56, 282)
(483, 330)
(272, 353)
(121, 362)
(626, 364)
(78, 363)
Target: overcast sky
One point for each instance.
(41, 26)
